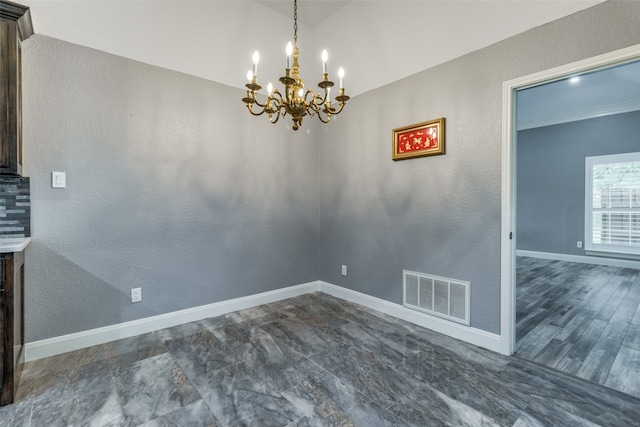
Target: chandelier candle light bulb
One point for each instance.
(256, 59)
(293, 100)
(325, 56)
(289, 52)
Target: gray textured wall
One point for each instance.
(441, 215)
(174, 190)
(550, 168)
(171, 186)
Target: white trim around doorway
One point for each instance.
(508, 209)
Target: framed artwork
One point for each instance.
(419, 140)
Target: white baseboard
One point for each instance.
(611, 262)
(65, 343)
(455, 330)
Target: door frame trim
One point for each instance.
(508, 202)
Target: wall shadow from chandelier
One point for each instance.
(171, 186)
(440, 215)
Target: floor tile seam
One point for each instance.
(408, 396)
(388, 366)
(478, 406)
(345, 381)
(618, 318)
(337, 344)
(320, 367)
(13, 407)
(113, 368)
(571, 381)
(388, 408)
(71, 386)
(249, 367)
(581, 359)
(612, 345)
(203, 401)
(617, 387)
(576, 412)
(557, 358)
(30, 415)
(617, 349)
(328, 348)
(38, 399)
(182, 364)
(628, 344)
(292, 386)
(121, 387)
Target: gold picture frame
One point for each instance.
(419, 140)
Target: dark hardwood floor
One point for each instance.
(581, 319)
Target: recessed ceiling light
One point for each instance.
(574, 80)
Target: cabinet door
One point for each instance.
(2, 327)
(9, 97)
(6, 311)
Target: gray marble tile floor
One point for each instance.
(313, 360)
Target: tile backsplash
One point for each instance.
(15, 207)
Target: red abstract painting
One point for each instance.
(422, 139)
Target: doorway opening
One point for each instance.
(537, 266)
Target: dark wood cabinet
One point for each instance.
(11, 324)
(15, 26)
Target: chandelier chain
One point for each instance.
(295, 22)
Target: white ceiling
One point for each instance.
(598, 93)
(310, 13)
(377, 42)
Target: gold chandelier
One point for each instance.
(296, 101)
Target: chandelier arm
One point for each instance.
(319, 100)
(327, 117)
(250, 107)
(339, 110)
(262, 105)
(277, 116)
(277, 96)
(306, 95)
(316, 102)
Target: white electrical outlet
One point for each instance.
(136, 294)
(579, 244)
(344, 270)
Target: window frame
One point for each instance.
(598, 248)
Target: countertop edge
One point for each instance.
(14, 244)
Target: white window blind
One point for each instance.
(612, 214)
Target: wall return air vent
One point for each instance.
(438, 296)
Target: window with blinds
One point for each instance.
(612, 199)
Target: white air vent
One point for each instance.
(439, 296)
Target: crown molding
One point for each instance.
(588, 113)
(20, 14)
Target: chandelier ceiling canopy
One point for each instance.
(295, 100)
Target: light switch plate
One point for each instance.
(58, 180)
